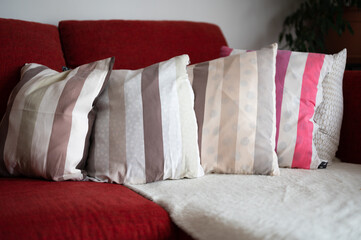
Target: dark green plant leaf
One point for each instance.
(307, 27)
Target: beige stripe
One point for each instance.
(229, 115)
(117, 140)
(246, 133)
(212, 115)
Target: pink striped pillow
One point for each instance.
(299, 79)
(45, 129)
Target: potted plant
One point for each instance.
(317, 24)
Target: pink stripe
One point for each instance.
(282, 60)
(303, 150)
(225, 51)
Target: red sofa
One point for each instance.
(39, 209)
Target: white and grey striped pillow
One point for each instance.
(45, 129)
(146, 129)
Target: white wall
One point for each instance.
(247, 24)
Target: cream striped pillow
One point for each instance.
(146, 128)
(45, 130)
(236, 114)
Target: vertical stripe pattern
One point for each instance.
(170, 112)
(152, 126)
(4, 126)
(62, 122)
(200, 73)
(301, 158)
(117, 128)
(282, 60)
(152, 114)
(290, 109)
(229, 115)
(47, 120)
(299, 78)
(135, 150)
(266, 114)
(211, 112)
(237, 131)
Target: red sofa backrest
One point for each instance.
(25, 42)
(137, 44)
(350, 141)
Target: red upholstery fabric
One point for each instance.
(350, 141)
(37, 209)
(137, 44)
(25, 42)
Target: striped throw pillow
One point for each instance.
(146, 128)
(45, 129)
(235, 109)
(299, 78)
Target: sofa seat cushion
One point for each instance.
(37, 209)
(138, 44)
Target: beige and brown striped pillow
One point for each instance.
(146, 128)
(45, 130)
(236, 113)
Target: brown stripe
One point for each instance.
(200, 77)
(5, 121)
(229, 114)
(117, 132)
(62, 123)
(152, 121)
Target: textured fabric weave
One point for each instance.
(297, 205)
(299, 78)
(138, 44)
(328, 115)
(146, 128)
(36, 209)
(235, 109)
(45, 129)
(25, 42)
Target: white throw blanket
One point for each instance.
(299, 204)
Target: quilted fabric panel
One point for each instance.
(328, 115)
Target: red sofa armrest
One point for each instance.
(350, 140)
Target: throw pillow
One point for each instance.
(235, 109)
(46, 126)
(299, 81)
(146, 129)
